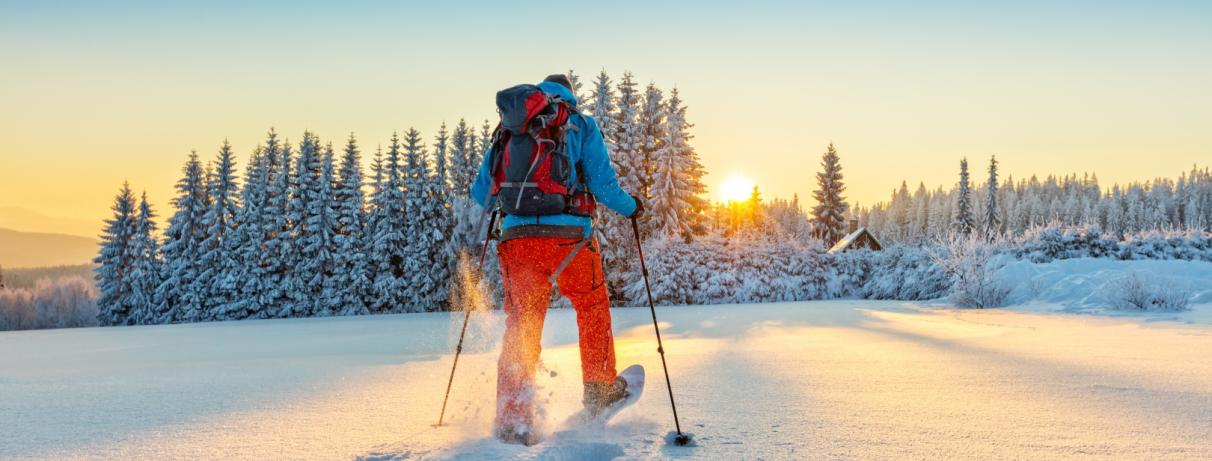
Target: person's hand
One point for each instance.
(639, 208)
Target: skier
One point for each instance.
(542, 243)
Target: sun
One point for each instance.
(736, 189)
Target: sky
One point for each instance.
(97, 93)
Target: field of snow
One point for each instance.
(816, 380)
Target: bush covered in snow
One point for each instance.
(971, 263)
(1044, 244)
(60, 303)
(719, 270)
(1136, 291)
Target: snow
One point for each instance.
(808, 380)
(1090, 284)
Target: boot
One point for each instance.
(600, 396)
(516, 435)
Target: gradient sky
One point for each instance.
(94, 93)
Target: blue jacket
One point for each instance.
(585, 145)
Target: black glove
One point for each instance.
(639, 208)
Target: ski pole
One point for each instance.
(492, 218)
(681, 439)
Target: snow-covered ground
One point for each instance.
(816, 380)
(1095, 285)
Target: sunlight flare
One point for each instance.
(736, 189)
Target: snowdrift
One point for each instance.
(1095, 284)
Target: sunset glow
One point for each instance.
(736, 189)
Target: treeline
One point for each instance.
(65, 302)
(1012, 208)
(302, 232)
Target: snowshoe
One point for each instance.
(603, 401)
(517, 436)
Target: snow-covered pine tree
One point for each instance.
(629, 136)
(601, 106)
(388, 245)
(219, 222)
(485, 142)
(575, 80)
(626, 137)
(277, 282)
(677, 204)
(243, 245)
(902, 206)
(260, 221)
(829, 214)
(921, 214)
(313, 222)
(443, 254)
(651, 120)
(179, 297)
(461, 169)
(992, 225)
(376, 171)
(465, 213)
(420, 212)
(145, 274)
(351, 276)
(325, 218)
(116, 262)
(963, 221)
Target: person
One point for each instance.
(531, 250)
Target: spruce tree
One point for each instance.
(423, 237)
(261, 223)
(993, 220)
(219, 222)
(243, 245)
(601, 106)
(652, 137)
(921, 214)
(624, 141)
(962, 221)
(443, 253)
(312, 223)
(351, 277)
(179, 297)
(116, 262)
(389, 243)
(575, 80)
(461, 170)
(324, 217)
(484, 142)
(277, 282)
(829, 214)
(677, 204)
(145, 275)
(629, 137)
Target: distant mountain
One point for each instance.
(27, 220)
(31, 249)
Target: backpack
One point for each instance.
(531, 170)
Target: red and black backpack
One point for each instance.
(531, 170)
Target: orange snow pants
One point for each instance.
(527, 264)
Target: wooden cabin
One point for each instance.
(858, 238)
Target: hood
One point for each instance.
(558, 90)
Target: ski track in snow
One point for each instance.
(815, 380)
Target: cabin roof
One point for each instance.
(847, 241)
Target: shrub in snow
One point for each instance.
(1045, 244)
(1137, 292)
(902, 272)
(16, 309)
(971, 263)
(61, 303)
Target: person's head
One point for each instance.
(559, 78)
